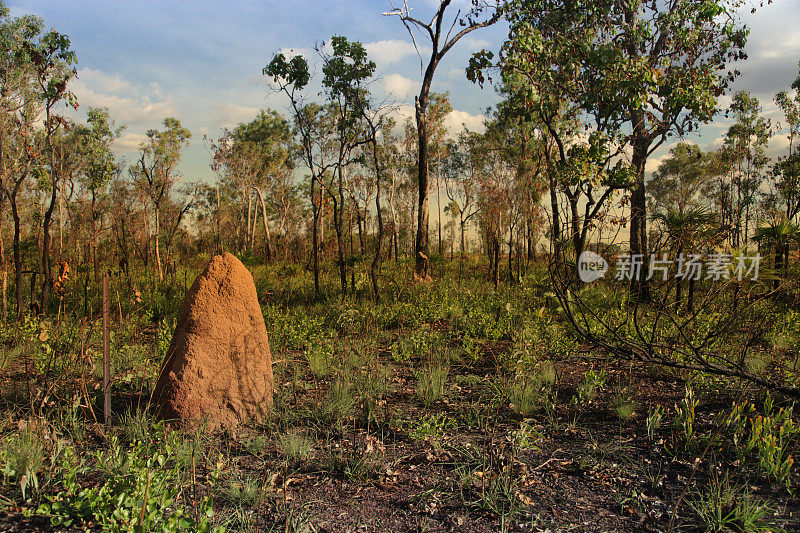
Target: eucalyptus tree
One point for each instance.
(346, 73)
(462, 170)
(439, 32)
(99, 165)
(34, 71)
(54, 58)
(385, 157)
(440, 107)
(263, 150)
(787, 170)
(586, 168)
(517, 141)
(745, 151)
(642, 71)
(314, 131)
(683, 180)
(155, 172)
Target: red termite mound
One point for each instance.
(218, 367)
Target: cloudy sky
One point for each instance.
(201, 60)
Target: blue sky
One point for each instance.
(201, 60)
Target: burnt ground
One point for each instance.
(581, 469)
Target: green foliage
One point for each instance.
(725, 507)
(623, 405)
(590, 384)
(294, 446)
(498, 494)
(241, 490)
(432, 382)
(653, 422)
(319, 353)
(686, 414)
(429, 426)
(141, 493)
(22, 458)
(771, 436)
(291, 328)
(135, 425)
(526, 437)
(528, 391)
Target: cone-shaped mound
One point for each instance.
(218, 367)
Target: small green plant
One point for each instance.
(526, 394)
(295, 446)
(22, 458)
(432, 426)
(431, 383)
(340, 401)
(772, 436)
(623, 405)
(352, 463)
(591, 383)
(497, 493)
(526, 437)
(135, 425)
(141, 495)
(418, 344)
(686, 414)
(653, 422)
(319, 354)
(241, 490)
(725, 507)
(255, 445)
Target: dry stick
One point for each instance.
(144, 501)
(106, 355)
(119, 305)
(194, 480)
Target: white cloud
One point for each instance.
(129, 142)
(125, 102)
(399, 86)
(113, 83)
(400, 113)
(456, 121)
(230, 114)
(289, 53)
(391, 51)
(653, 163)
(474, 43)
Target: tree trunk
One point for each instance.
(361, 223)
(268, 240)
(158, 247)
(495, 261)
(421, 251)
(510, 255)
(555, 233)
(394, 244)
(3, 262)
(219, 219)
(338, 222)
(249, 214)
(641, 287)
(439, 204)
(315, 232)
(376, 260)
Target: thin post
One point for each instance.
(106, 355)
